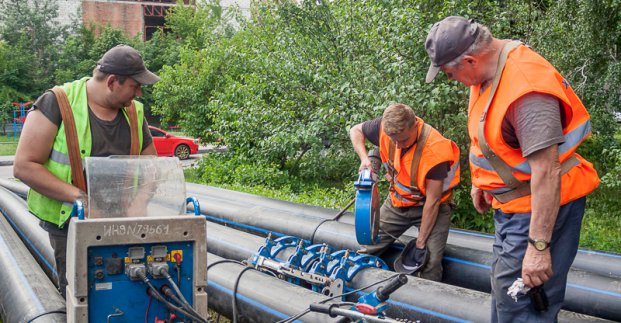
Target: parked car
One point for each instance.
(171, 145)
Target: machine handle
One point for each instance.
(383, 293)
(322, 308)
(197, 206)
(78, 209)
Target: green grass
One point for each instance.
(8, 145)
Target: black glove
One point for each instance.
(412, 259)
(417, 258)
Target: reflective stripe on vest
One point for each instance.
(60, 158)
(572, 140)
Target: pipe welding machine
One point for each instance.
(137, 256)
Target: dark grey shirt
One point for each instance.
(108, 137)
(533, 122)
(371, 131)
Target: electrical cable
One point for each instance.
(170, 294)
(161, 299)
(146, 313)
(164, 272)
(235, 292)
(235, 287)
(335, 218)
(46, 313)
(297, 316)
(222, 262)
(181, 299)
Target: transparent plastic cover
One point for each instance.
(132, 186)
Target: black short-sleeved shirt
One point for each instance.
(108, 137)
(371, 130)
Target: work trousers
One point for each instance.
(58, 241)
(509, 250)
(396, 220)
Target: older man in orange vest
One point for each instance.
(423, 168)
(525, 123)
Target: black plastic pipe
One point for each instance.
(587, 293)
(419, 299)
(598, 262)
(260, 297)
(474, 267)
(27, 294)
(602, 263)
(26, 225)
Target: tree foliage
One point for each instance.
(282, 88)
(285, 88)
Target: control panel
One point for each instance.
(149, 269)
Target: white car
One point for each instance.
(618, 117)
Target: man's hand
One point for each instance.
(365, 163)
(536, 267)
(482, 200)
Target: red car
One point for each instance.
(171, 145)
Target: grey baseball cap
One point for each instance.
(448, 39)
(125, 60)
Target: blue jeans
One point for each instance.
(509, 250)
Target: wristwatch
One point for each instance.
(539, 244)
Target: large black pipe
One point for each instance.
(27, 294)
(602, 263)
(474, 268)
(593, 261)
(27, 227)
(260, 297)
(420, 299)
(587, 293)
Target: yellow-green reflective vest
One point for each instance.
(55, 211)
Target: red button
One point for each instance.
(366, 309)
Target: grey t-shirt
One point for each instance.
(108, 137)
(371, 131)
(533, 122)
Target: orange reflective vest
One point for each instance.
(408, 191)
(525, 72)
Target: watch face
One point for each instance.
(540, 245)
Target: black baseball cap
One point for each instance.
(448, 39)
(125, 60)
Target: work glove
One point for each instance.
(417, 259)
(412, 259)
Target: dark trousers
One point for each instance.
(58, 240)
(509, 250)
(396, 220)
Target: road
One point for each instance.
(6, 162)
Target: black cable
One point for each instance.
(335, 218)
(222, 262)
(169, 292)
(46, 313)
(235, 292)
(166, 303)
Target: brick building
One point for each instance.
(134, 16)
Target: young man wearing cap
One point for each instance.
(108, 122)
(422, 167)
(522, 160)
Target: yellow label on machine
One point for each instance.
(175, 252)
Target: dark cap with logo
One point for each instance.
(448, 39)
(125, 60)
